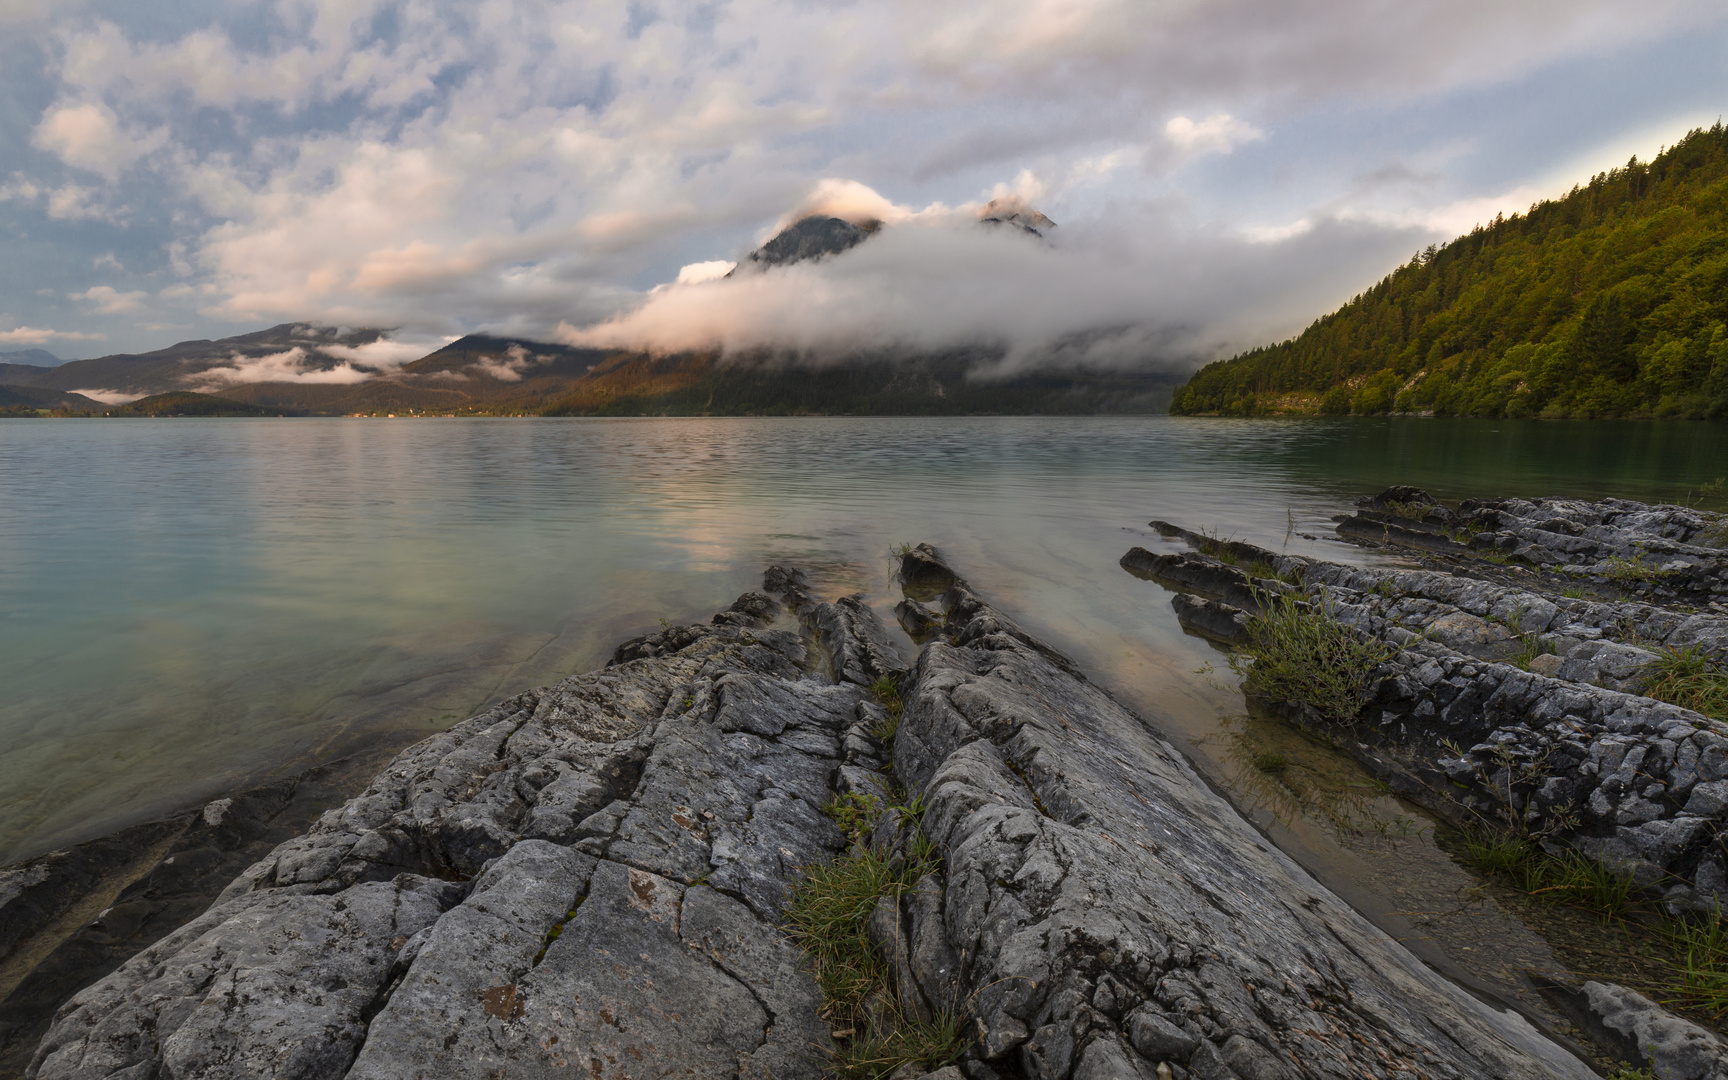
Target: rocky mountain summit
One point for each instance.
(593, 878)
(808, 239)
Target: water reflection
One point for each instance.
(185, 605)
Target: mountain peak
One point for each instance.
(811, 238)
(1015, 212)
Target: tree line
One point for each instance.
(1611, 301)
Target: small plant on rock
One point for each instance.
(1623, 571)
(1690, 679)
(855, 813)
(1297, 651)
(886, 691)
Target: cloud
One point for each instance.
(1217, 134)
(88, 135)
(518, 164)
(1142, 289)
(110, 397)
(74, 202)
(290, 366)
(385, 353)
(30, 335)
(697, 273)
(108, 301)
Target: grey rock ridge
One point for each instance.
(590, 880)
(1113, 913)
(1458, 725)
(1661, 552)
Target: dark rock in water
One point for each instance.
(1660, 553)
(923, 575)
(1209, 618)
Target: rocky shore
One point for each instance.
(1510, 693)
(593, 878)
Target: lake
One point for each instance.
(187, 606)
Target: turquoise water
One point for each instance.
(187, 605)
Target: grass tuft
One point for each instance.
(855, 813)
(1271, 762)
(829, 917)
(1690, 679)
(886, 690)
(928, 1046)
(1298, 651)
(1623, 571)
(1568, 878)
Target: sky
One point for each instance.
(1220, 171)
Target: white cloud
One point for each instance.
(385, 353)
(509, 367)
(74, 202)
(109, 397)
(1144, 289)
(109, 301)
(1217, 134)
(30, 335)
(289, 366)
(697, 273)
(88, 135)
(510, 164)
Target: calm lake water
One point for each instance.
(189, 605)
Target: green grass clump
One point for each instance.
(1271, 762)
(1568, 878)
(1407, 510)
(1627, 1072)
(1701, 961)
(1261, 569)
(855, 813)
(829, 917)
(1297, 651)
(886, 690)
(929, 1046)
(1690, 679)
(1630, 571)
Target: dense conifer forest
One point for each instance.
(1609, 302)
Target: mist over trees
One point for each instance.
(1609, 302)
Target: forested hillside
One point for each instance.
(1611, 301)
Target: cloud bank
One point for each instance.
(517, 165)
(1129, 289)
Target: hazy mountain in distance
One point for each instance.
(29, 358)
